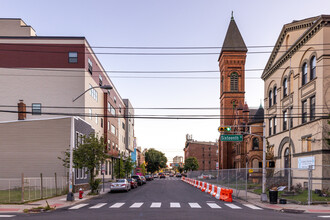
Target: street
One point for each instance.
(168, 198)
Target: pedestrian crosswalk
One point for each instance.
(192, 205)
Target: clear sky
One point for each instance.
(170, 23)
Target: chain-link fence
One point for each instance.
(19, 190)
(304, 186)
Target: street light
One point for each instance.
(108, 87)
(70, 196)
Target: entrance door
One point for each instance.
(287, 161)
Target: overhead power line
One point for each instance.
(217, 117)
(153, 47)
(155, 108)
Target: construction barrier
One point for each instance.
(209, 189)
(217, 192)
(204, 187)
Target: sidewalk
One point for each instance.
(58, 202)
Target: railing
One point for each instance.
(19, 190)
(305, 186)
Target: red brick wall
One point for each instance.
(203, 152)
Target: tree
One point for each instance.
(89, 154)
(191, 163)
(129, 166)
(180, 169)
(143, 169)
(155, 160)
(119, 168)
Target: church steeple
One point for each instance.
(233, 40)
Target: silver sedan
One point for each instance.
(120, 185)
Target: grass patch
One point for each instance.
(301, 198)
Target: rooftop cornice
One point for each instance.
(315, 24)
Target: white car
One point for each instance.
(120, 185)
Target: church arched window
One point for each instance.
(234, 82)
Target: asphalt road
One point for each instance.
(168, 198)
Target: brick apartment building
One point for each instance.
(48, 72)
(205, 152)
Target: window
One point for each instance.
(285, 87)
(275, 124)
(312, 108)
(234, 82)
(270, 97)
(291, 118)
(275, 95)
(114, 99)
(90, 113)
(119, 108)
(111, 109)
(93, 92)
(285, 120)
(90, 66)
(123, 125)
(73, 57)
(255, 144)
(304, 73)
(270, 126)
(304, 111)
(101, 122)
(36, 108)
(100, 80)
(108, 125)
(313, 68)
(113, 129)
(309, 144)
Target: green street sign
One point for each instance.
(231, 137)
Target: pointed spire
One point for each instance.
(260, 104)
(232, 15)
(233, 40)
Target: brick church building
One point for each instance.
(233, 109)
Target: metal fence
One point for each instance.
(304, 186)
(19, 190)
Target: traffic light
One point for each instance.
(224, 129)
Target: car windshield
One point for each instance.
(121, 181)
(129, 180)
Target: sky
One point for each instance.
(170, 23)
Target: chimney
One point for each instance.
(21, 110)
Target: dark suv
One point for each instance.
(138, 179)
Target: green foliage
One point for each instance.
(129, 166)
(155, 160)
(95, 185)
(89, 155)
(119, 168)
(143, 169)
(191, 163)
(180, 169)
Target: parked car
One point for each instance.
(178, 175)
(133, 183)
(120, 185)
(156, 175)
(149, 177)
(162, 176)
(138, 179)
(144, 180)
(171, 175)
